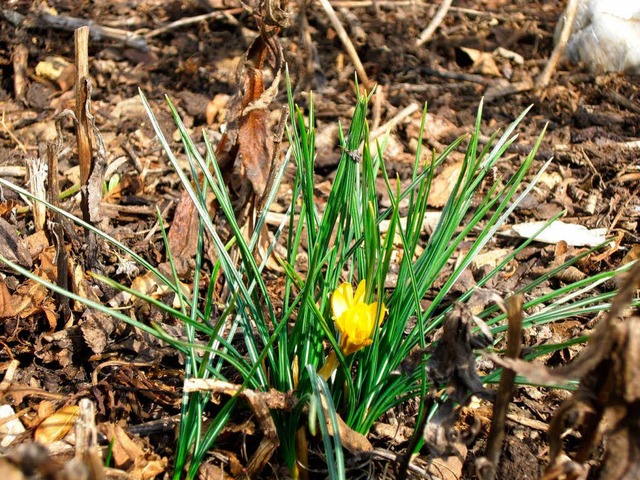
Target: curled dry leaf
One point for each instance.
(245, 151)
(452, 364)
(483, 62)
(6, 303)
(261, 404)
(12, 246)
(247, 145)
(606, 402)
(128, 455)
(444, 183)
(353, 441)
(96, 327)
(56, 426)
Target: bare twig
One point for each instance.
(412, 3)
(11, 135)
(55, 224)
(622, 210)
(627, 103)
(631, 145)
(90, 169)
(550, 68)
(529, 422)
(393, 122)
(348, 45)
(378, 101)
(13, 171)
(87, 457)
(508, 89)
(37, 174)
(183, 22)
(469, 77)
(8, 376)
(20, 57)
(355, 27)
(60, 22)
(426, 34)
(82, 127)
(488, 465)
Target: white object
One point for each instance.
(574, 235)
(606, 35)
(11, 429)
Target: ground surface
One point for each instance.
(591, 122)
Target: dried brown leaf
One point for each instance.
(57, 425)
(444, 183)
(453, 362)
(350, 439)
(450, 467)
(483, 62)
(29, 298)
(96, 327)
(244, 152)
(182, 237)
(260, 403)
(606, 402)
(254, 142)
(395, 434)
(37, 243)
(128, 455)
(11, 246)
(7, 309)
(210, 471)
(125, 450)
(148, 467)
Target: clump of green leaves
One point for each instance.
(284, 348)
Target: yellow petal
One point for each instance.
(355, 320)
(383, 312)
(360, 292)
(341, 323)
(351, 323)
(341, 299)
(372, 310)
(363, 322)
(344, 325)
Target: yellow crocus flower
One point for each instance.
(355, 321)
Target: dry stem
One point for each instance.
(426, 34)
(346, 41)
(569, 16)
